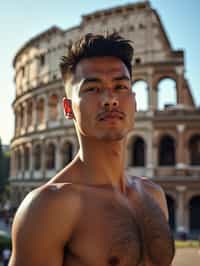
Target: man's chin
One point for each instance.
(112, 136)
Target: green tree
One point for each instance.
(4, 169)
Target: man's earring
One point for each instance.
(69, 115)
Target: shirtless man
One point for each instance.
(91, 213)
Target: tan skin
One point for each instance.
(89, 214)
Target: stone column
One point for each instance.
(34, 110)
(152, 94)
(150, 161)
(179, 84)
(180, 211)
(18, 120)
(180, 153)
(25, 115)
(43, 158)
(46, 109)
(58, 156)
(60, 107)
(154, 154)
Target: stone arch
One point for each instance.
(53, 107)
(167, 151)
(50, 155)
(194, 149)
(37, 156)
(194, 214)
(40, 109)
(166, 92)
(140, 87)
(137, 152)
(171, 210)
(66, 152)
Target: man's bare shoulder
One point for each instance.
(153, 190)
(53, 194)
(46, 220)
(49, 199)
(146, 184)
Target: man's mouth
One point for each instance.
(111, 115)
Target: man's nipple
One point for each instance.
(113, 261)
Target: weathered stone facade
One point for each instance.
(165, 144)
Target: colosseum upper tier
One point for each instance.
(165, 144)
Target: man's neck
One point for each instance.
(102, 162)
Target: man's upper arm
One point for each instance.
(42, 226)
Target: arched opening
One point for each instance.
(194, 150)
(16, 121)
(21, 117)
(167, 151)
(50, 156)
(140, 88)
(138, 152)
(40, 111)
(37, 157)
(171, 211)
(53, 107)
(67, 153)
(194, 207)
(26, 158)
(30, 113)
(167, 93)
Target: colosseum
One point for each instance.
(165, 144)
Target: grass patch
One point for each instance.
(187, 244)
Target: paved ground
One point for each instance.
(187, 257)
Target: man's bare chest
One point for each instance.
(113, 231)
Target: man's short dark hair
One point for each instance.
(92, 45)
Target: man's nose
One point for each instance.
(110, 100)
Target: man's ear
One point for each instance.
(67, 108)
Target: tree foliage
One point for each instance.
(4, 168)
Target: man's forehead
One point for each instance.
(100, 66)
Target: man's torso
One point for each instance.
(116, 229)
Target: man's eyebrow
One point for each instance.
(123, 77)
(90, 80)
(94, 79)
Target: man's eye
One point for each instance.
(121, 87)
(92, 89)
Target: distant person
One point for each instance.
(91, 213)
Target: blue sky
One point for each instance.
(21, 20)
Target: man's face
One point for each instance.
(102, 100)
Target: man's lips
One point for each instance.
(110, 115)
